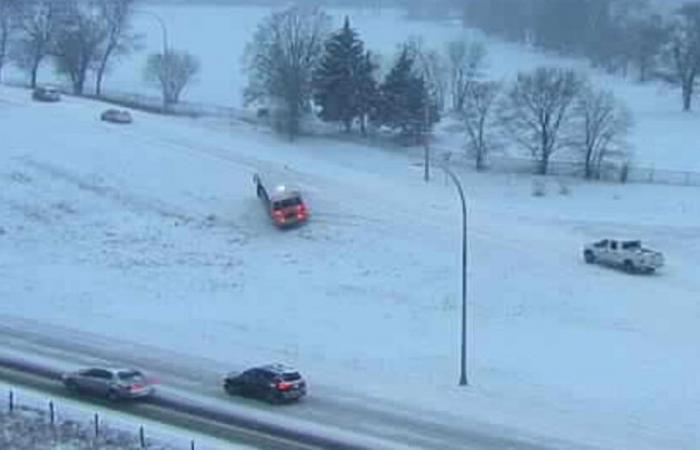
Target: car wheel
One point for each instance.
(272, 398)
(589, 257)
(72, 386)
(628, 266)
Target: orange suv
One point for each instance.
(285, 205)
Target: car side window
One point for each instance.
(92, 373)
(264, 377)
(103, 374)
(249, 375)
(613, 245)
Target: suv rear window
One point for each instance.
(286, 203)
(291, 376)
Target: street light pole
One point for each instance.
(463, 360)
(164, 61)
(163, 28)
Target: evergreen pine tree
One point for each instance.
(404, 98)
(342, 78)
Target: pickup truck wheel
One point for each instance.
(112, 395)
(628, 266)
(589, 257)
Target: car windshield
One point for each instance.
(631, 245)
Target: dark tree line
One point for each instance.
(617, 35)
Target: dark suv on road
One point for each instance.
(274, 383)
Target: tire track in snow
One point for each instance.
(135, 203)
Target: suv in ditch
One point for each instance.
(274, 383)
(283, 203)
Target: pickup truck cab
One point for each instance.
(628, 255)
(284, 204)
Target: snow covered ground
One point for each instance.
(152, 234)
(663, 137)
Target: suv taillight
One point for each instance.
(284, 386)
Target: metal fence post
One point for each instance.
(97, 425)
(12, 401)
(142, 437)
(52, 413)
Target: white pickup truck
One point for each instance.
(629, 255)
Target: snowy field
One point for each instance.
(152, 234)
(663, 137)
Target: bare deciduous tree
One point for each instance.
(477, 115)
(465, 62)
(647, 36)
(79, 34)
(37, 30)
(115, 15)
(685, 51)
(172, 71)
(9, 17)
(535, 112)
(604, 123)
(430, 65)
(280, 60)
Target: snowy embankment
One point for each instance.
(29, 429)
(27, 425)
(152, 235)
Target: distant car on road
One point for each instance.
(628, 255)
(112, 384)
(46, 93)
(284, 204)
(274, 383)
(116, 116)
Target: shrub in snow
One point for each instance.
(564, 188)
(624, 172)
(539, 188)
(30, 429)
